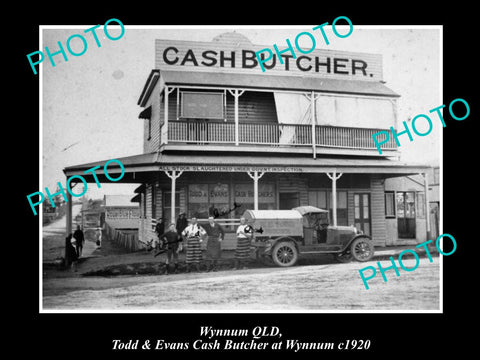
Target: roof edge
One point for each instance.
(148, 87)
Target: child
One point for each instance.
(171, 241)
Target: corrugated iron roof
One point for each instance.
(275, 82)
(153, 161)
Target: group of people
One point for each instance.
(193, 234)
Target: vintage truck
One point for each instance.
(282, 235)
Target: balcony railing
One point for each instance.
(274, 135)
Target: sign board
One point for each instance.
(227, 168)
(243, 193)
(239, 57)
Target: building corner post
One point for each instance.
(173, 176)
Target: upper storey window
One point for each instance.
(337, 110)
(202, 105)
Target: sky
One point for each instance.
(89, 103)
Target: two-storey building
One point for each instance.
(221, 136)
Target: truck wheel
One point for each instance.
(284, 253)
(362, 249)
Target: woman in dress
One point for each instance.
(193, 234)
(244, 238)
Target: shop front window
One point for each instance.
(243, 196)
(198, 201)
(219, 203)
(216, 200)
(323, 200)
(389, 204)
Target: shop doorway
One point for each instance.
(362, 212)
(289, 200)
(406, 214)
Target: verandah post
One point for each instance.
(236, 94)
(334, 177)
(167, 91)
(255, 176)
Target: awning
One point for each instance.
(140, 167)
(275, 82)
(139, 189)
(146, 113)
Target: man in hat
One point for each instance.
(182, 222)
(215, 235)
(80, 240)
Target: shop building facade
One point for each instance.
(221, 136)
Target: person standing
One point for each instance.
(80, 240)
(244, 237)
(159, 230)
(182, 223)
(71, 256)
(193, 234)
(159, 227)
(215, 235)
(98, 237)
(171, 241)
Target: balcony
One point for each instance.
(276, 136)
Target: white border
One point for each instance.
(167, 311)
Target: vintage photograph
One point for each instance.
(187, 174)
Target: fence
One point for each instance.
(127, 240)
(274, 134)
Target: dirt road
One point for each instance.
(300, 288)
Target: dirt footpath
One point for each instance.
(299, 288)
